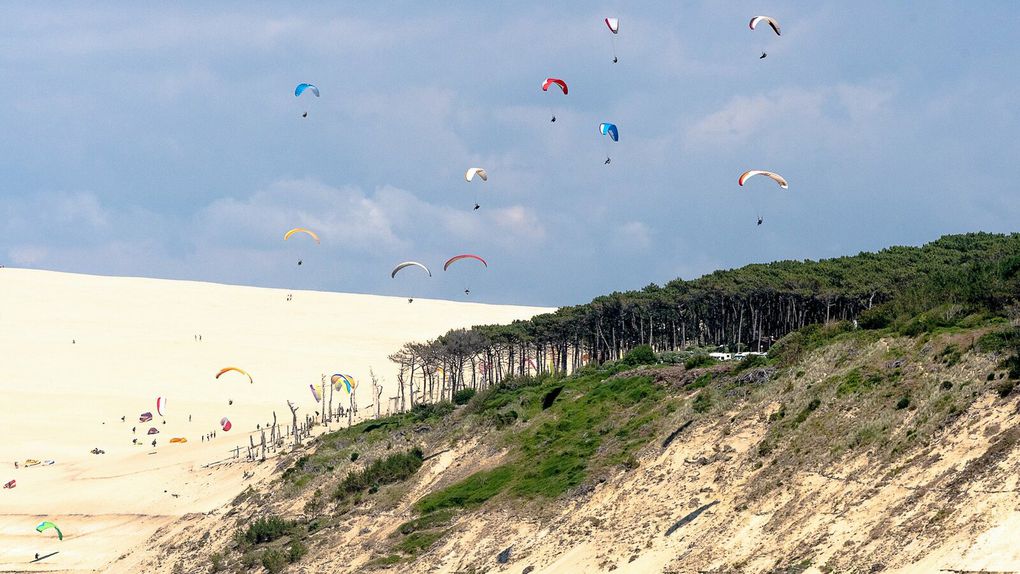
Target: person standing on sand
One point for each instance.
(133, 430)
(153, 443)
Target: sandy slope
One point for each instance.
(133, 340)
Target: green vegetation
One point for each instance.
(640, 355)
(462, 396)
(393, 468)
(267, 529)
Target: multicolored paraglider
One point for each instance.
(554, 82)
(160, 407)
(46, 525)
(348, 382)
(614, 26)
(773, 176)
(225, 424)
(301, 89)
(242, 371)
(315, 393)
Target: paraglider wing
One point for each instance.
(613, 24)
(242, 371)
(225, 424)
(178, 439)
(550, 81)
(406, 264)
(773, 176)
(46, 525)
(145, 417)
(153, 430)
(337, 379)
(771, 21)
(311, 233)
(300, 89)
(315, 393)
(610, 130)
(456, 258)
(160, 407)
(470, 174)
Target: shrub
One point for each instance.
(903, 403)
(393, 468)
(216, 562)
(296, 551)
(698, 361)
(273, 560)
(266, 529)
(640, 355)
(1005, 388)
(751, 362)
(354, 456)
(462, 396)
(702, 403)
(421, 412)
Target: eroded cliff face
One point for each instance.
(867, 455)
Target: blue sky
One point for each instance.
(165, 140)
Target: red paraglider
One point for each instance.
(225, 423)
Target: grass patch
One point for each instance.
(393, 468)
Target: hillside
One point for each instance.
(845, 450)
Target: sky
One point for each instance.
(164, 139)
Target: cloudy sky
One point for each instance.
(164, 140)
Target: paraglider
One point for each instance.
(407, 264)
(610, 130)
(46, 525)
(310, 233)
(771, 22)
(760, 220)
(454, 259)
(558, 82)
(145, 417)
(242, 371)
(614, 26)
(160, 407)
(470, 175)
(472, 172)
(348, 381)
(301, 89)
(315, 393)
(178, 439)
(225, 424)
(773, 176)
(10, 484)
(153, 430)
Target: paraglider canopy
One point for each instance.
(315, 393)
(301, 88)
(550, 81)
(456, 258)
(145, 417)
(610, 130)
(225, 423)
(46, 525)
(771, 22)
(773, 176)
(311, 233)
(160, 406)
(348, 382)
(472, 172)
(242, 371)
(406, 264)
(613, 24)
(153, 430)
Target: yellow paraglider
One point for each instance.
(311, 233)
(242, 371)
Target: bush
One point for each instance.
(903, 403)
(702, 403)
(273, 560)
(421, 412)
(266, 529)
(393, 468)
(1005, 388)
(751, 362)
(698, 361)
(640, 355)
(354, 456)
(462, 396)
(216, 562)
(878, 317)
(296, 551)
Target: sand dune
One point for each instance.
(78, 352)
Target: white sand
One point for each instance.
(134, 341)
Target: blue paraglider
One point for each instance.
(300, 89)
(610, 130)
